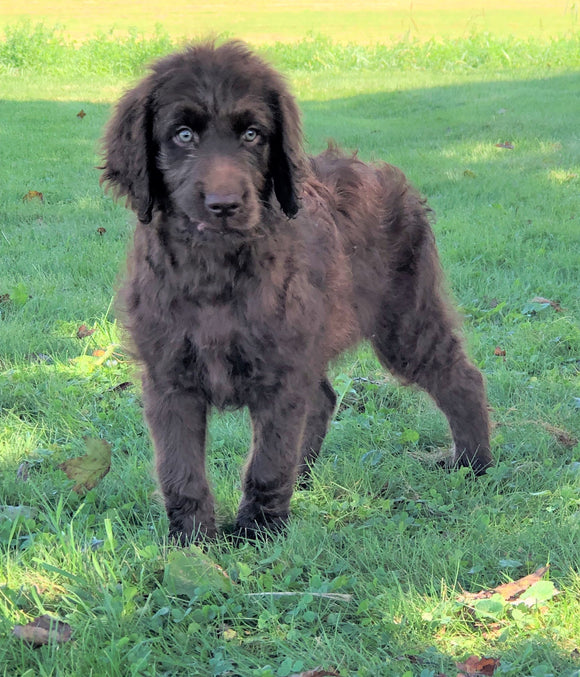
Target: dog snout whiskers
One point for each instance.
(223, 205)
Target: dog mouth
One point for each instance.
(206, 228)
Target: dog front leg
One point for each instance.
(278, 428)
(177, 421)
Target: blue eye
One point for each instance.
(185, 136)
(250, 135)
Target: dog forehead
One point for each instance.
(213, 77)
(186, 95)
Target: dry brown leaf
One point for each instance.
(101, 231)
(83, 331)
(511, 590)
(508, 591)
(475, 666)
(43, 630)
(89, 470)
(33, 195)
(563, 436)
(555, 305)
(81, 114)
(505, 144)
(499, 352)
(122, 386)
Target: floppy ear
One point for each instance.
(130, 152)
(286, 154)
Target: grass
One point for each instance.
(398, 538)
(266, 22)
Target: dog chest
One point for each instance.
(227, 360)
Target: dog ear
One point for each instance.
(130, 152)
(286, 154)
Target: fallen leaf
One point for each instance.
(43, 630)
(538, 593)
(33, 195)
(476, 667)
(492, 630)
(499, 352)
(81, 114)
(101, 231)
(505, 144)
(186, 571)
(555, 305)
(229, 634)
(89, 470)
(317, 672)
(122, 386)
(490, 607)
(563, 436)
(83, 331)
(509, 591)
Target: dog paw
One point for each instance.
(478, 461)
(259, 527)
(186, 532)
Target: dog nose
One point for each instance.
(223, 205)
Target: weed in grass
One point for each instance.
(368, 579)
(40, 48)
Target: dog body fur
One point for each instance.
(253, 266)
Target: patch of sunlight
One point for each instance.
(562, 176)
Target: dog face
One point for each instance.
(214, 154)
(211, 134)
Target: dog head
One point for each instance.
(211, 134)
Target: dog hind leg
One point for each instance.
(415, 337)
(317, 422)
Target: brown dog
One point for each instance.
(253, 266)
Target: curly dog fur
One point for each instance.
(253, 266)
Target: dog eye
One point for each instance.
(185, 136)
(250, 135)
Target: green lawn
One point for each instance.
(368, 579)
(266, 21)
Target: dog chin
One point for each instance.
(206, 228)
